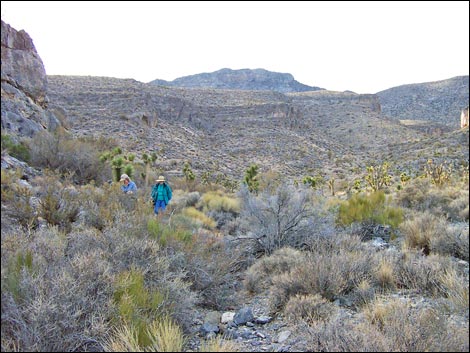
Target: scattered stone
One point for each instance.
(262, 320)
(227, 317)
(207, 328)
(243, 316)
(212, 317)
(283, 336)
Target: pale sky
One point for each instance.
(360, 46)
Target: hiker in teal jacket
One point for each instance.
(161, 194)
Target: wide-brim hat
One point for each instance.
(124, 177)
(161, 178)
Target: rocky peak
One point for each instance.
(21, 65)
(244, 79)
(24, 85)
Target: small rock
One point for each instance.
(227, 317)
(262, 320)
(243, 316)
(283, 336)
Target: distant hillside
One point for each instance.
(245, 79)
(438, 101)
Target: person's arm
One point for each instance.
(170, 192)
(154, 194)
(133, 187)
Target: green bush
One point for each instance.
(369, 208)
(17, 150)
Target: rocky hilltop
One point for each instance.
(439, 101)
(24, 85)
(244, 79)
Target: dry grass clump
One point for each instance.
(309, 308)
(455, 289)
(218, 201)
(422, 273)
(432, 234)
(388, 325)
(163, 336)
(450, 200)
(259, 276)
(407, 329)
(385, 276)
(199, 217)
(211, 265)
(420, 231)
(329, 275)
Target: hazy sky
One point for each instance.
(364, 47)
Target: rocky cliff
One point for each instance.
(23, 86)
(245, 79)
(438, 101)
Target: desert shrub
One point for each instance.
(66, 154)
(338, 335)
(64, 303)
(402, 331)
(450, 201)
(200, 217)
(363, 294)
(137, 304)
(420, 231)
(166, 336)
(217, 201)
(21, 203)
(59, 206)
(273, 221)
(211, 264)
(411, 330)
(414, 193)
(260, 274)
(369, 208)
(452, 240)
(330, 275)
(168, 235)
(163, 335)
(18, 150)
(455, 289)
(421, 273)
(309, 308)
(385, 276)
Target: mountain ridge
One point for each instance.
(437, 101)
(244, 79)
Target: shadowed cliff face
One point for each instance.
(24, 85)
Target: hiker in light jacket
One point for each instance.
(161, 194)
(129, 186)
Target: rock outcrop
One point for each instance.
(23, 86)
(245, 79)
(464, 118)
